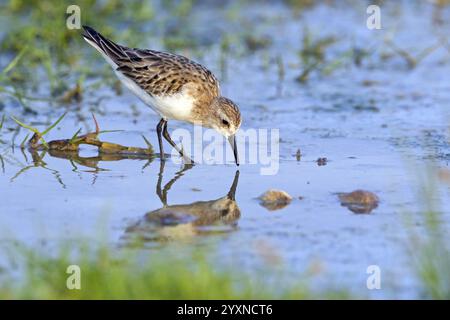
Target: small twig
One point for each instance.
(97, 128)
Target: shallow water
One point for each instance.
(380, 126)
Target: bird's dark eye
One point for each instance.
(225, 122)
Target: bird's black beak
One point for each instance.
(232, 141)
(232, 193)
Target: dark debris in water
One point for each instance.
(37, 142)
(298, 155)
(322, 161)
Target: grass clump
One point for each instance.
(432, 264)
(125, 275)
(430, 254)
(44, 50)
(428, 238)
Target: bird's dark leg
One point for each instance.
(159, 192)
(159, 129)
(169, 140)
(162, 192)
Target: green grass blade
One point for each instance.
(149, 145)
(109, 131)
(2, 122)
(14, 61)
(23, 125)
(22, 144)
(44, 143)
(54, 124)
(75, 136)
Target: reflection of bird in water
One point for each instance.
(185, 220)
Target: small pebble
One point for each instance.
(275, 199)
(359, 201)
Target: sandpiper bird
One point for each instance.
(173, 86)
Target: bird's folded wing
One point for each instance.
(160, 73)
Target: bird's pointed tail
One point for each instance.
(106, 47)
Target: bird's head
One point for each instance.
(226, 119)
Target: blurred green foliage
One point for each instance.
(126, 275)
(42, 24)
(43, 51)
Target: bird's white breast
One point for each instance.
(177, 106)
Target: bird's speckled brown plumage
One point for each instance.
(160, 73)
(174, 86)
(164, 73)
